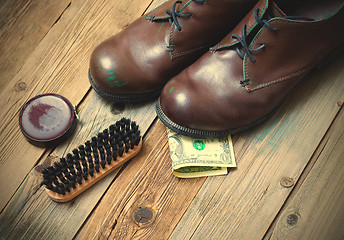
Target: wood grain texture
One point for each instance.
(59, 64)
(146, 201)
(31, 214)
(317, 210)
(23, 24)
(243, 205)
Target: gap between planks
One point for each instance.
(317, 210)
(307, 170)
(145, 186)
(23, 25)
(48, 151)
(120, 171)
(53, 74)
(81, 103)
(252, 195)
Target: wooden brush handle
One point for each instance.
(74, 192)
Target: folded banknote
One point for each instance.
(192, 157)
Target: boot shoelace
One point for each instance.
(242, 40)
(264, 22)
(174, 15)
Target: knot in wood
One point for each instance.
(292, 219)
(143, 215)
(117, 108)
(287, 182)
(21, 86)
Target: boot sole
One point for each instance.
(123, 98)
(194, 133)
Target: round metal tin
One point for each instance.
(47, 119)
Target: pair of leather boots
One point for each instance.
(217, 75)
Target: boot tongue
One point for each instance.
(267, 10)
(274, 11)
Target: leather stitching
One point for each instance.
(217, 47)
(171, 42)
(251, 87)
(151, 17)
(179, 54)
(256, 87)
(186, 5)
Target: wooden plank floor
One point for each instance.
(288, 183)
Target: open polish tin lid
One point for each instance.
(47, 119)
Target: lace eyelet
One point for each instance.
(174, 14)
(245, 82)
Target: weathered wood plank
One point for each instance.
(238, 206)
(31, 214)
(146, 201)
(243, 205)
(317, 210)
(23, 24)
(59, 64)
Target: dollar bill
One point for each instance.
(193, 157)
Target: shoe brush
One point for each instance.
(89, 163)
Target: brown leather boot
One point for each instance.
(245, 77)
(135, 64)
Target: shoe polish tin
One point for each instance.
(47, 119)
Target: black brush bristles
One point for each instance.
(92, 161)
